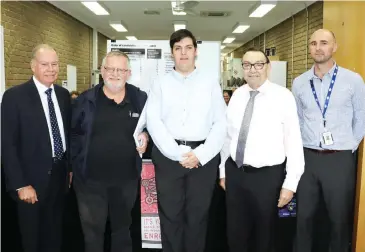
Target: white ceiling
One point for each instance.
(160, 27)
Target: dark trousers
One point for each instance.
(184, 196)
(328, 177)
(41, 223)
(252, 196)
(96, 202)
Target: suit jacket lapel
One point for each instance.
(61, 103)
(37, 108)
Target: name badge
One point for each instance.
(135, 115)
(327, 138)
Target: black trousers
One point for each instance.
(96, 202)
(184, 196)
(332, 178)
(41, 223)
(252, 196)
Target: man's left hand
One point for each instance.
(285, 197)
(142, 138)
(190, 160)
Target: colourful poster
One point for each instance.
(151, 234)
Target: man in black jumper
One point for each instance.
(104, 157)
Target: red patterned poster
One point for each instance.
(151, 234)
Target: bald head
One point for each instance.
(324, 33)
(322, 45)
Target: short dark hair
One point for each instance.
(253, 49)
(181, 34)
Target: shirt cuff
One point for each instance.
(290, 184)
(199, 153)
(183, 149)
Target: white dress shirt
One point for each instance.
(42, 93)
(189, 108)
(274, 131)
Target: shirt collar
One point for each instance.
(330, 72)
(41, 87)
(126, 96)
(263, 88)
(181, 77)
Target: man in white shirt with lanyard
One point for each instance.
(186, 120)
(331, 109)
(263, 132)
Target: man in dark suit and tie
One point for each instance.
(35, 119)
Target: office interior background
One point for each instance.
(80, 38)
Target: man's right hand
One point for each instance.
(222, 183)
(28, 194)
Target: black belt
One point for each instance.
(323, 151)
(192, 144)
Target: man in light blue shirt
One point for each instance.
(331, 110)
(186, 120)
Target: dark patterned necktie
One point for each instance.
(57, 140)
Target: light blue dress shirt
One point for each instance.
(189, 108)
(345, 116)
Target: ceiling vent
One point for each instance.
(215, 13)
(151, 12)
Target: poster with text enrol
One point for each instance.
(150, 222)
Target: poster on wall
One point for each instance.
(150, 59)
(2, 63)
(151, 233)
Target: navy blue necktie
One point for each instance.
(57, 140)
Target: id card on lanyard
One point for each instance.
(327, 136)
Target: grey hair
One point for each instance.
(39, 47)
(116, 54)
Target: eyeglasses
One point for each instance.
(257, 66)
(111, 70)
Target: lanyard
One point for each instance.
(330, 89)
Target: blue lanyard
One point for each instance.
(330, 89)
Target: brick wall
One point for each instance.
(281, 37)
(27, 24)
(102, 43)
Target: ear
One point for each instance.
(335, 47)
(32, 65)
(128, 75)
(268, 70)
(102, 70)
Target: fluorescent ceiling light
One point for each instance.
(118, 26)
(96, 8)
(179, 25)
(174, 7)
(222, 47)
(131, 37)
(262, 8)
(240, 28)
(228, 40)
